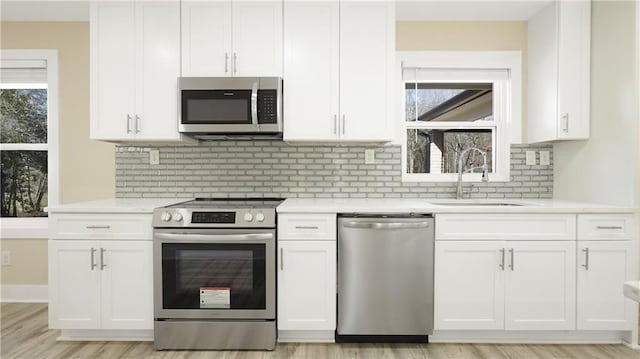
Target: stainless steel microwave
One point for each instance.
(230, 105)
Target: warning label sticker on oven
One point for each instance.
(215, 297)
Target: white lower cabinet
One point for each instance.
(602, 268)
(512, 285)
(307, 285)
(100, 284)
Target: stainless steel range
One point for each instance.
(214, 274)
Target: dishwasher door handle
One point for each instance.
(386, 225)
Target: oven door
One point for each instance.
(216, 274)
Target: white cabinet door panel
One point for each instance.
(74, 285)
(540, 286)
(307, 285)
(366, 48)
(257, 38)
(127, 284)
(469, 285)
(158, 68)
(601, 303)
(206, 38)
(112, 82)
(311, 71)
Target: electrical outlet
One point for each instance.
(6, 258)
(545, 159)
(531, 158)
(369, 156)
(154, 157)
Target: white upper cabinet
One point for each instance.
(231, 38)
(135, 63)
(338, 60)
(559, 72)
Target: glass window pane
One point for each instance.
(23, 183)
(451, 102)
(438, 150)
(23, 115)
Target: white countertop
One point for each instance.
(353, 205)
(392, 205)
(115, 205)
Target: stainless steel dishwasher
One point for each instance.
(385, 278)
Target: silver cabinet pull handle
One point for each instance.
(281, 259)
(137, 124)
(306, 227)
(565, 122)
(102, 265)
(609, 227)
(335, 124)
(586, 258)
(502, 252)
(401, 225)
(226, 62)
(344, 120)
(512, 266)
(98, 227)
(93, 259)
(129, 123)
(235, 63)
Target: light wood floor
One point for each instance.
(24, 334)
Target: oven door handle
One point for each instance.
(214, 237)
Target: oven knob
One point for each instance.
(177, 217)
(248, 217)
(165, 217)
(259, 217)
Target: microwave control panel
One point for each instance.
(268, 106)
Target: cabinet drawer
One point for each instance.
(505, 226)
(606, 227)
(101, 226)
(320, 226)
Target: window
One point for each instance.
(28, 134)
(452, 104)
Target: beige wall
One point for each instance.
(87, 168)
(467, 36)
(609, 156)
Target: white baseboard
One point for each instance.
(306, 336)
(18, 293)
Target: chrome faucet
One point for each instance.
(485, 175)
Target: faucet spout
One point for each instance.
(485, 169)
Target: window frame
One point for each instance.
(38, 228)
(507, 106)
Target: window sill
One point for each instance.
(452, 177)
(24, 228)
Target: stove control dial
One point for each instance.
(165, 217)
(177, 217)
(248, 217)
(259, 217)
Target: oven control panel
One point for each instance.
(179, 217)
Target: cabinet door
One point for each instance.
(257, 38)
(469, 285)
(112, 61)
(127, 284)
(540, 286)
(311, 71)
(574, 53)
(158, 68)
(74, 284)
(603, 267)
(367, 44)
(206, 38)
(307, 285)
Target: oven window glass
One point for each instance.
(216, 107)
(213, 276)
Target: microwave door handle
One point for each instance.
(254, 104)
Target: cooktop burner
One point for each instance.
(229, 203)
